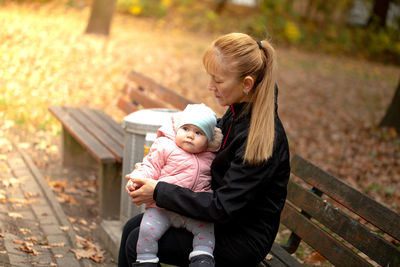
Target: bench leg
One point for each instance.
(109, 188)
(74, 154)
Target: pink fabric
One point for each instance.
(169, 163)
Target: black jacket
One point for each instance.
(247, 200)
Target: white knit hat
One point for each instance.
(201, 116)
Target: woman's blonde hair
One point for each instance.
(241, 55)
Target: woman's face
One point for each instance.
(226, 87)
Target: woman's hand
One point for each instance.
(143, 192)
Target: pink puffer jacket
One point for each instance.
(169, 163)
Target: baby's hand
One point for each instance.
(130, 186)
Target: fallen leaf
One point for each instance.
(61, 244)
(25, 230)
(315, 258)
(65, 198)
(10, 182)
(28, 249)
(18, 242)
(56, 186)
(15, 215)
(72, 220)
(1, 235)
(83, 253)
(58, 256)
(64, 228)
(30, 195)
(3, 198)
(83, 221)
(32, 239)
(24, 145)
(23, 201)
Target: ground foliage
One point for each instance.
(330, 106)
(314, 25)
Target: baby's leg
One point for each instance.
(204, 239)
(153, 226)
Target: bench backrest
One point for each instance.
(338, 221)
(143, 92)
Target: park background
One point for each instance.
(339, 68)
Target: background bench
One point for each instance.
(336, 220)
(91, 138)
(143, 92)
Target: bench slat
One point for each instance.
(104, 122)
(325, 244)
(138, 97)
(95, 148)
(376, 247)
(281, 257)
(367, 208)
(115, 148)
(162, 92)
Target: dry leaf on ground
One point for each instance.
(30, 195)
(15, 215)
(28, 249)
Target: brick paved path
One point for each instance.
(31, 220)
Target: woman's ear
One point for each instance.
(248, 83)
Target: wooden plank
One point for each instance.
(370, 243)
(98, 132)
(330, 248)
(95, 148)
(367, 208)
(107, 124)
(165, 94)
(139, 97)
(282, 256)
(126, 106)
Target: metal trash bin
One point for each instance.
(140, 130)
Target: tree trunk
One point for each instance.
(100, 17)
(392, 117)
(379, 13)
(220, 6)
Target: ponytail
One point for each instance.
(260, 140)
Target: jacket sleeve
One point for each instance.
(243, 182)
(154, 161)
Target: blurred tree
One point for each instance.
(220, 6)
(379, 13)
(392, 117)
(101, 16)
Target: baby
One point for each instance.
(181, 155)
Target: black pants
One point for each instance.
(176, 244)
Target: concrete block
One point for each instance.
(109, 234)
(51, 229)
(47, 219)
(18, 260)
(68, 260)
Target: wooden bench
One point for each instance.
(345, 226)
(142, 92)
(91, 138)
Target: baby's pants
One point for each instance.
(156, 221)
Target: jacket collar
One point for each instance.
(238, 108)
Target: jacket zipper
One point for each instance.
(230, 126)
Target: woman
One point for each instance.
(250, 171)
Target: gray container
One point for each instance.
(140, 129)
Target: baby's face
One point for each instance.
(191, 139)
